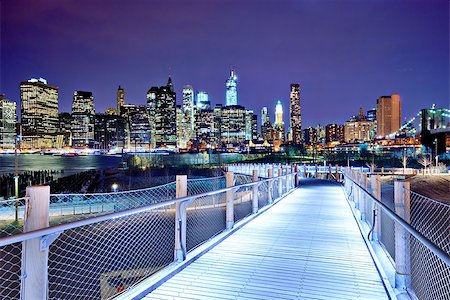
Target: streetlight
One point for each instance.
(115, 187)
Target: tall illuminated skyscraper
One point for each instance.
(39, 113)
(295, 114)
(83, 119)
(203, 100)
(120, 100)
(389, 113)
(7, 123)
(278, 126)
(161, 108)
(279, 114)
(231, 93)
(188, 105)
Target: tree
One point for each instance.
(425, 161)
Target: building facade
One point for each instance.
(295, 115)
(233, 126)
(358, 129)
(188, 107)
(7, 123)
(109, 132)
(389, 114)
(203, 100)
(39, 113)
(83, 119)
(334, 133)
(231, 89)
(161, 109)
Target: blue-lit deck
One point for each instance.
(307, 246)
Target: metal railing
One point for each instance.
(102, 256)
(413, 231)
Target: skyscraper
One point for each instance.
(233, 125)
(279, 114)
(231, 92)
(278, 126)
(7, 123)
(83, 119)
(389, 110)
(203, 100)
(295, 114)
(39, 113)
(161, 108)
(120, 100)
(188, 105)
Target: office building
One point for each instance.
(231, 89)
(358, 129)
(7, 123)
(161, 108)
(39, 113)
(83, 119)
(65, 129)
(109, 132)
(203, 100)
(295, 115)
(388, 115)
(279, 123)
(334, 133)
(310, 136)
(205, 129)
(251, 126)
(188, 106)
(233, 125)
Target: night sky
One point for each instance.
(343, 53)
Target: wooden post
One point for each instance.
(316, 171)
(280, 181)
(338, 179)
(34, 260)
(270, 176)
(376, 192)
(229, 177)
(363, 184)
(180, 219)
(402, 254)
(304, 171)
(255, 192)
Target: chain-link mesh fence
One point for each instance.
(263, 194)
(430, 275)
(205, 219)
(205, 185)
(243, 197)
(100, 260)
(11, 216)
(10, 264)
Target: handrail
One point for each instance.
(62, 227)
(424, 240)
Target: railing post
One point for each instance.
(229, 177)
(304, 171)
(280, 181)
(338, 179)
(402, 254)
(376, 192)
(316, 171)
(270, 176)
(180, 219)
(362, 195)
(34, 284)
(255, 192)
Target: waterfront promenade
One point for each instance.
(307, 246)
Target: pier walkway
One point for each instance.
(306, 246)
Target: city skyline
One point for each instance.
(389, 61)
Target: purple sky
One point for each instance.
(343, 53)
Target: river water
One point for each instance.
(71, 165)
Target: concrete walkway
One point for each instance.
(307, 246)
